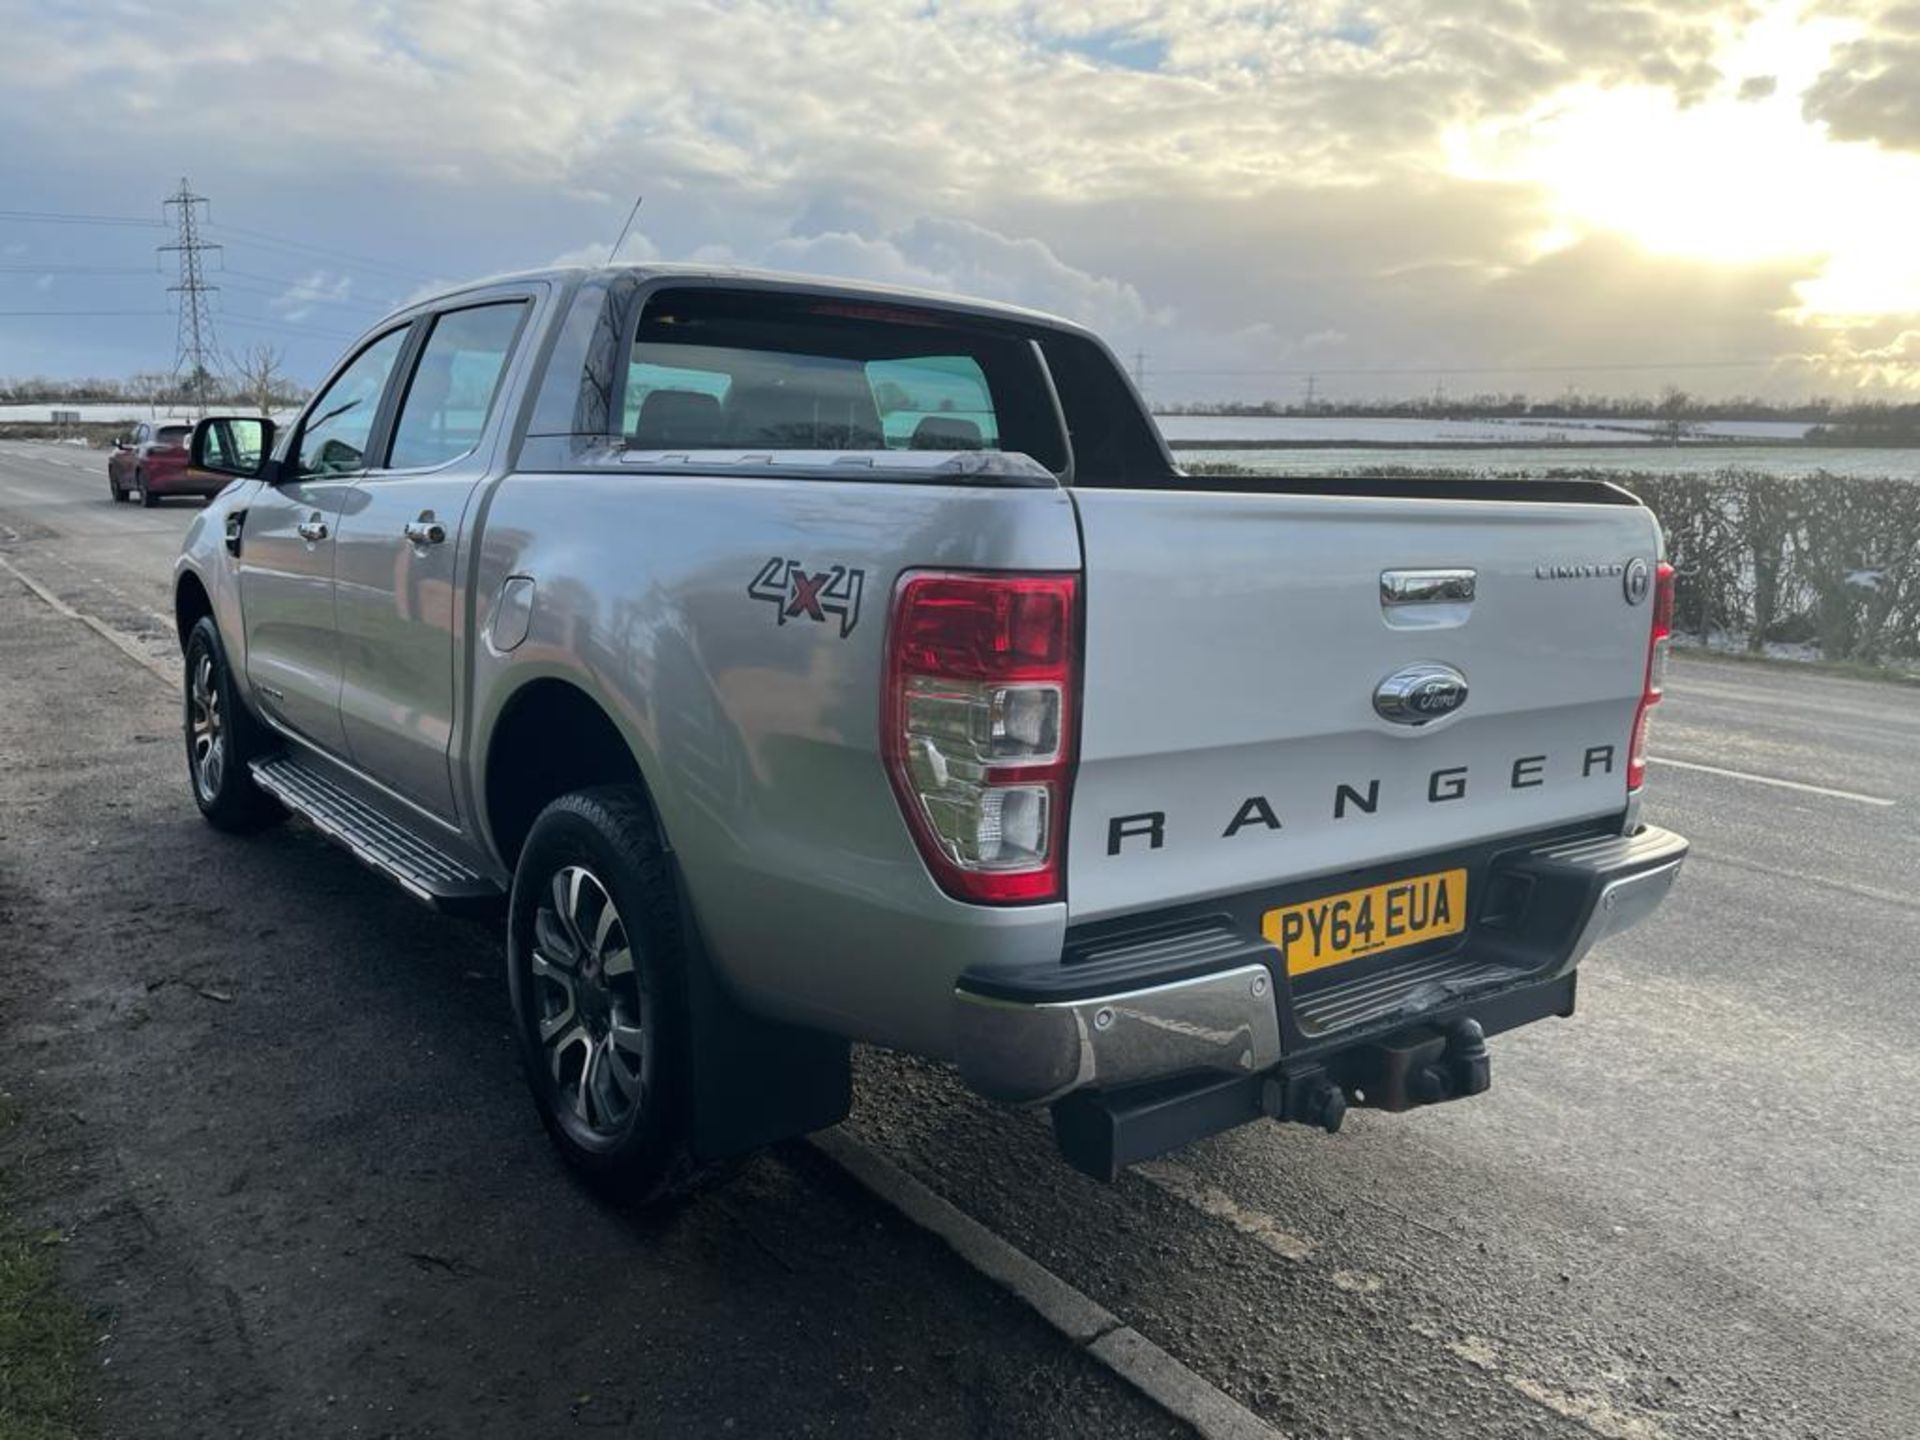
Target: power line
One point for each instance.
(285, 292)
(78, 270)
(291, 327)
(276, 242)
(194, 348)
(77, 313)
(59, 217)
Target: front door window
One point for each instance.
(334, 439)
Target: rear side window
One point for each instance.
(934, 398)
(716, 369)
(453, 385)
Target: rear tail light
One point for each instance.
(978, 729)
(1658, 640)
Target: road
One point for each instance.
(275, 1104)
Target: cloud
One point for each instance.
(1871, 88)
(960, 256)
(1225, 183)
(1883, 354)
(317, 287)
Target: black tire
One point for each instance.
(222, 736)
(616, 1107)
(119, 495)
(147, 497)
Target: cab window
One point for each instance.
(453, 385)
(718, 369)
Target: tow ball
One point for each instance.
(1420, 1066)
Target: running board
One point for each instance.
(415, 864)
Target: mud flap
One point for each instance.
(754, 1081)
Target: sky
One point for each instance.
(1247, 199)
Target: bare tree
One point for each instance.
(257, 375)
(150, 387)
(1674, 412)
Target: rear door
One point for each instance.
(396, 567)
(287, 549)
(1270, 681)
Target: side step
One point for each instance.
(415, 864)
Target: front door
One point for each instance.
(398, 564)
(287, 550)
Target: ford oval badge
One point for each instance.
(1420, 693)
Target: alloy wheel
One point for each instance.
(207, 732)
(589, 1007)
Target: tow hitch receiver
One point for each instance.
(1421, 1066)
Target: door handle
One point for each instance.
(1426, 587)
(313, 528)
(426, 530)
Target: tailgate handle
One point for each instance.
(1426, 587)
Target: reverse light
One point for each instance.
(978, 727)
(1659, 640)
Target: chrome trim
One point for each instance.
(1623, 904)
(1637, 583)
(1420, 694)
(1426, 587)
(1032, 1054)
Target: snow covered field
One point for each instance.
(1545, 459)
(1338, 429)
(41, 412)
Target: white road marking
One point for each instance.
(1802, 786)
(1216, 1204)
(1593, 1413)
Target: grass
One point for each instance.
(1894, 673)
(44, 1336)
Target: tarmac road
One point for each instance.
(320, 1205)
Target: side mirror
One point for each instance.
(238, 445)
(121, 442)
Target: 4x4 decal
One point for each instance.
(796, 593)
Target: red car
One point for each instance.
(151, 461)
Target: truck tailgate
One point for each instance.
(1235, 648)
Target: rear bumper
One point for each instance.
(180, 480)
(1201, 993)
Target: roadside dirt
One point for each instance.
(274, 1107)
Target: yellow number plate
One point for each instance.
(1337, 928)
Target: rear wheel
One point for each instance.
(596, 971)
(147, 497)
(221, 738)
(113, 486)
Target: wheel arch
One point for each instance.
(550, 737)
(191, 602)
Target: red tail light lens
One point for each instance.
(1658, 641)
(978, 729)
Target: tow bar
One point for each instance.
(1419, 1066)
(1102, 1133)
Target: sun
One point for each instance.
(1731, 180)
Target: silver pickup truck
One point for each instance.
(797, 663)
